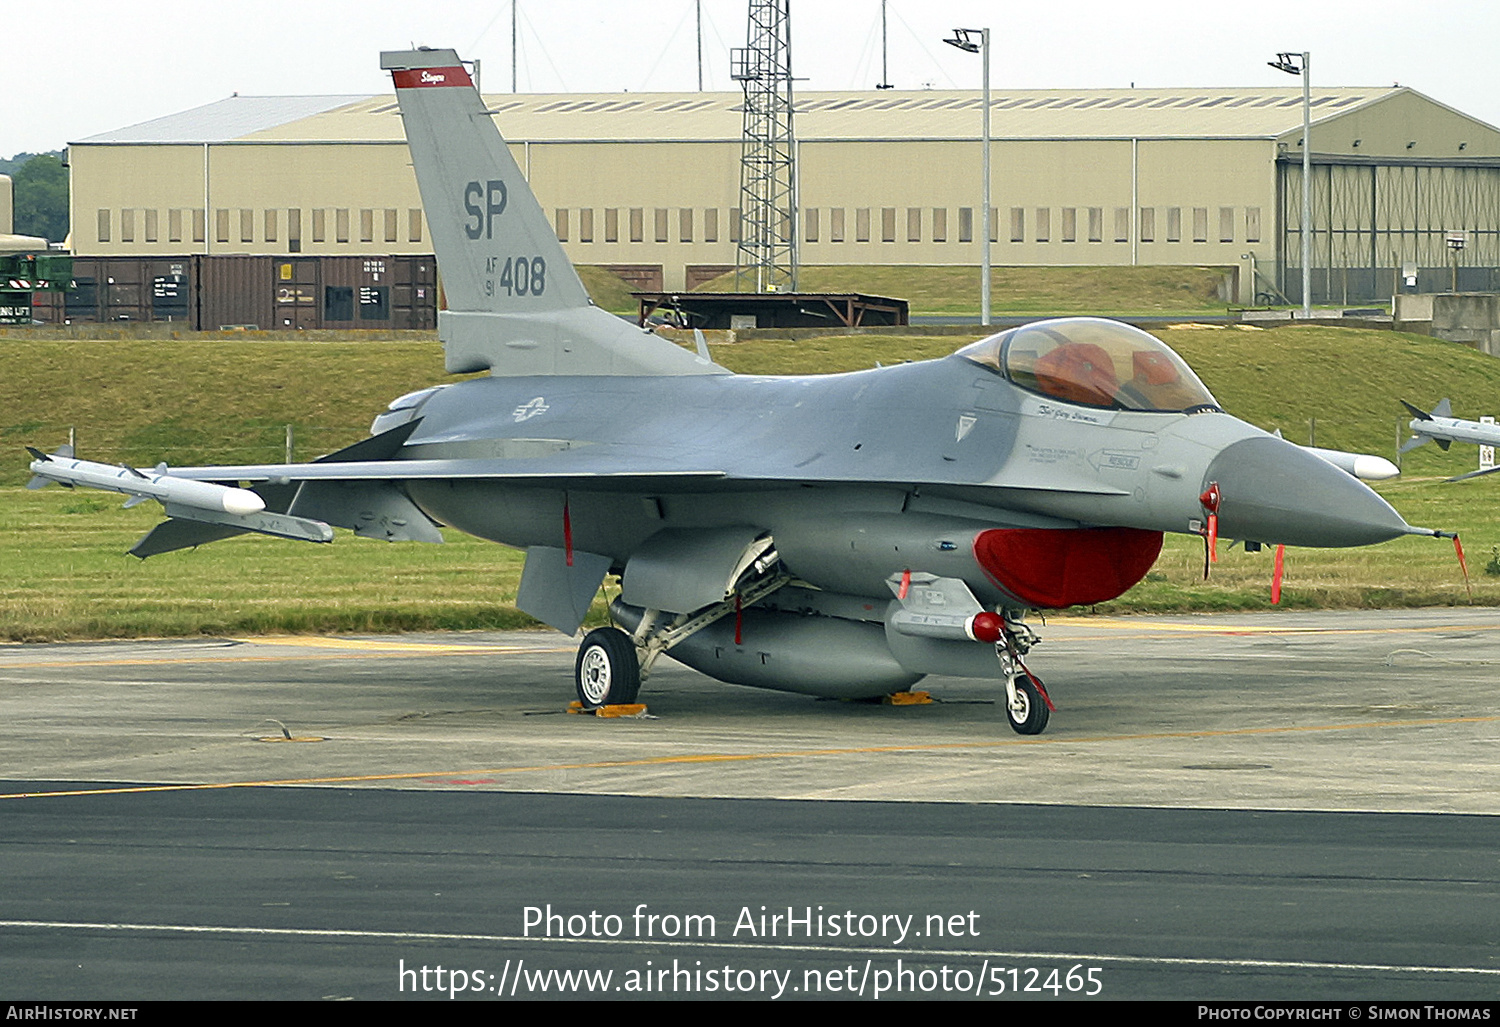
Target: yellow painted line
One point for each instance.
(287, 657)
(354, 648)
(471, 776)
(1114, 624)
(371, 645)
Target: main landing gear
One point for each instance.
(1026, 704)
(612, 664)
(607, 671)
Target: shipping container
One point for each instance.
(209, 293)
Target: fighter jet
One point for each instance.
(836, 535)
(1442, 427)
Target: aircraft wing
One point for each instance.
(603, 469)
(361, 487)
(552, 471)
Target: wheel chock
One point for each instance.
(632, 709)
(909, 698)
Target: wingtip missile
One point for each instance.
(203, 495)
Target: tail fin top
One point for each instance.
(516, 306)
(501, 254)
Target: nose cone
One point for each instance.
(1273, 491)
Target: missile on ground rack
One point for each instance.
(1442, 427)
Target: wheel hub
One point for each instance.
(596, 677)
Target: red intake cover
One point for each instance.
(1051, 568)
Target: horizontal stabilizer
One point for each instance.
(266, 523)
(174, 534)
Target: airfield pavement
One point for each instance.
(1246, 806)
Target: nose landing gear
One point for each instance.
(1027, 706)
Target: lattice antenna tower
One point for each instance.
(766, 258)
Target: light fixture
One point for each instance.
(978, 41)
(964, 40)
(1299, 64)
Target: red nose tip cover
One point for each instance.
(1052, 569)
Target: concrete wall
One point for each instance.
(1471, 318)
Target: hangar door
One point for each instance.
(1372, 218)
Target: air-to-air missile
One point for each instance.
(202, 501)
(1442, 427)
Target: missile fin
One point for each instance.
(1416, 412)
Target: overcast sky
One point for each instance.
(80, 67)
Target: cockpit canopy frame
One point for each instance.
(1094, 362)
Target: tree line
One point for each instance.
(40, 184)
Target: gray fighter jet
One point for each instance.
(1442, 427)
(836, 535)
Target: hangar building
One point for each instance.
(647, 183)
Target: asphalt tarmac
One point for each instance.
(1284, 806)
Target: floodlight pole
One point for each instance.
(963, 42)
(1285, 63)
(984, 274)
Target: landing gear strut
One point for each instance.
(658, 631)
(1026, 704)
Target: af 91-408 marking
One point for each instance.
(519, 276)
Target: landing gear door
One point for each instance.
(557, 589)
(685, 569)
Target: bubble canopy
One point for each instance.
(1093, 362)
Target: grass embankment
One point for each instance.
(608, 290)
(63, 572)
(1115, 291)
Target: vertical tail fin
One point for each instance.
(516, 306)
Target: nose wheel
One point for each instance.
(607, 671)
(1025, 708)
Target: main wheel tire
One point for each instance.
(1031, 717)
(607, 671)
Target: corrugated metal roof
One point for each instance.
(230, 118)
(927, 114)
